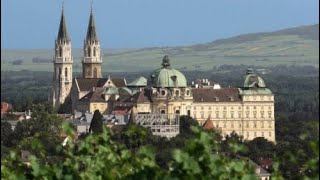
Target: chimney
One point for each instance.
(93, 88)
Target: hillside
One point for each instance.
(292, 46)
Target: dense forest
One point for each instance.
(296, 90)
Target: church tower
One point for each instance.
(62, 62)
(91, 64)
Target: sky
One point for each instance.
(33, 24)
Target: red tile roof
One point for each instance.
(215, 95)
(265, 163)
(208, 124)
(5, 106)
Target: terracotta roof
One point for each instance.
(265, 163)
(123, 110)
(208, 124)
(215, 95)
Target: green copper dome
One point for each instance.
(253, 80)
(167, 76)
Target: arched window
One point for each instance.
(94, 52)
(177, 92)
(162, 111)
(66, 73)
(95, 72)
(188, 112)
(177, 112)
(89, 52)
(60, 51)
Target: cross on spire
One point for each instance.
(91, 5)
(63, 32)
(91, 32)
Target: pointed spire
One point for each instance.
(63, 33)
(91, 33)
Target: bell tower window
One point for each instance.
(95, 72)
(89, 52)
(60, 51)
(66, 73)
(94, 52)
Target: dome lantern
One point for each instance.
(167, 77)
(252, 80)
(166, 61)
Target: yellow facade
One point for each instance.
(101, 106)
(252, 117)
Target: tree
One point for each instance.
(66, 107)
(96, 122)
(186, 122)
(43, 126)
(260, 148)
(6, 132)
(233, 144)
(98, 157)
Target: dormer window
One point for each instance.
(231, 98)
(174, 78)
(216, 98)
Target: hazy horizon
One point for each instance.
(144, 24)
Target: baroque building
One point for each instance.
(248, 109)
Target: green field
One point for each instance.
(294, 46)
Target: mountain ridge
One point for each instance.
(290, 46)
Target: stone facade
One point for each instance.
(62, 61)
(92, 61)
